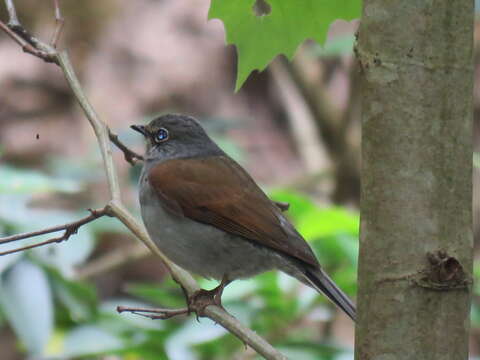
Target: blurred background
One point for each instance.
(295, 127)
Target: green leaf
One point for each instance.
(26, 300)
(288, 23)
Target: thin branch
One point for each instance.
(69, 229)
(59, 239)
(30, 43)
(160, 314)
(129, 155)
(94, 214)
(46, 56)
(15, 25)
(18, 39)
(59, 21)
(221, 317)
(12, 13)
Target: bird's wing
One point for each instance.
(217, 191)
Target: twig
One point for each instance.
(27, 41)
(59, 21)
(12, 13)
(161, 314)
(130, 155)
(69, 229)
(94, 214)
(15, 25)
(47, 56)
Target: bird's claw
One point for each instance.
(198, 302)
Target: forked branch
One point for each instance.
(68, 230)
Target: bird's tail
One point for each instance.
(321, 282)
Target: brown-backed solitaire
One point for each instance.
(206, 213)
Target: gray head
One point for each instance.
(174, 136)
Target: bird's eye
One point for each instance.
(161, 135)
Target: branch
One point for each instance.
(21, 36)
(130, 156)
(43, 54)
(117, 209)
(12, 13)
(69, 229)
(59, 21)
(161, 314)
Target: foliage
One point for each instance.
(279, 27)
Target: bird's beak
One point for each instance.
(141, 129)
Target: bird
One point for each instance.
(207, 214)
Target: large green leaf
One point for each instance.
(288, 23)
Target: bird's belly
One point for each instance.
(204, 249)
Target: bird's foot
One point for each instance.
(202, 298)
(196, 303)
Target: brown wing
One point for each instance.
(217, 191)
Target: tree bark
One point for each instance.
(415, 266)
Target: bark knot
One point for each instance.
(443, 273)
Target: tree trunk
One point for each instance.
(415, 265)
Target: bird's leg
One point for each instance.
(202, 298)
(196, 303)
